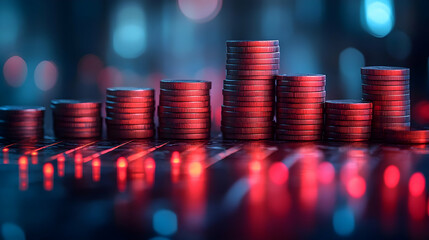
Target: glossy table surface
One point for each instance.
(215, 189)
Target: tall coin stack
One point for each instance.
(130, 112)
(76, 119)
(348, 120)
(248, 90)
(300, 100)
(388, 89)
(184, 109)
(21, 122)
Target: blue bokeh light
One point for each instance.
(344, 221)
(165, 222)
(379, 17)
(10, 23)
(11, 231)
(350, 61)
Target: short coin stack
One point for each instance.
(21, 122)
(348, 120)
(388, 89)
(300, 99)
(76, 119)
(184, 109)
(130, 112)
(248, 90)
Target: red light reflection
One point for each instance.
(34, 159)
(5, 157)
(278, 173)
(391, 176)
(61, 165)
(96, 164)
(175, 166)
(78, 168)
(356, 186)
(326, 173)
(121, 168)
(23, 173)
(48, 176)
(417, 184)
(150, 166)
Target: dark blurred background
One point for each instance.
(75, 49)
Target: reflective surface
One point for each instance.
(212, 190)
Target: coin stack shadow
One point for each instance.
(248, 90)
(348, 120)
(388, 89)
(21, 122)
(76, 119)
(130, 112)
(184, 109)
(299, 106)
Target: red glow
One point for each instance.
(218, 116)
(96, 169)
(255, 166)
(122, 163)
(150, 171)
(428, 207)
(356, 187)
(22, 161)
(60, 165)
(175, 166)
(195, 169)
(417, 184)
(48, 176)
(326, 173)
(15, 71)
(5, 149)
(48, 170)
(34, 159)
(109, 77)
(88, 68)
(23, 173)
(78, 169)
(175, 157)
(149, 163)
(33, 153)
(391, 176)
(5, 157)
(278, 173)
(45, 75)
(421, 111)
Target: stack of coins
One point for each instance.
(407, 136)
(76, 119)
(184, 109)
(348, 120)
(388, 89)
(248, 90)
(129, 112)
(300, 99)
(21, 122)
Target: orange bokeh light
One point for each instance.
(122, 163)
(195, 169)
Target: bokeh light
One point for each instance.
(350, 61)
(129, 31)
(344, 221)
(11, 231)
(398, 45)
(88, 68)
(200, 10)
(15, 71)
(417, 184)
(165, 222)
(10, 24)
(391, 176)
(309, 11)
(326, 173)
(109, 77)
(379, 17)
(278, 173)
(45, 75)
(356, 186)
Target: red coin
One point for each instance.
(166, 130)
(300, 126)
(243, 130)
(300, 100)
(320, 94)
(167, 92)
(408, 136)
(302, 77)
(130, 105)
(298, 137)
(129, 110)
(366, 87)
(129, 134)
(185, 104)
(383, 92)
(391, 108)
(349, 111)
(386, 77)
(185, 125)
(76, 119)
(349, 117)
(252, 67)
(130, 99)
(248, 104)
(299, 110)
(300, 121)
(71, 135)
(404, 97)
(237, 136)
(115, 115)
(78, 129)
(86, 112)
(247, 114)
(392, 119)
(299, 116)
(385, 83)
(348, 104)
(253, 61)
(255, 120)
(391, 103)
(251, 72)
(392, 113)
(347, 135)
(252, 49)
(74, 104)
(227, 92)
(261, 77)
(131, 127)
(247, 109)
(185, 84)
(253, 55)
(386, 125)
(77, 124)
(112, 121)
(22, 110)
(348, 129)
(301, 83)
(300, 105)
(249, 82)
(263, 98)
(251, 43)
(184, 98)
(384, 70)
(24, 123)
(130, 92)
(249, 87)
(184, 115)
(184, 121)
(299, 89)
(361, 123)
(250, 124)
(348, 139)
(186, 136)
(299, 132)
(162, 109)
